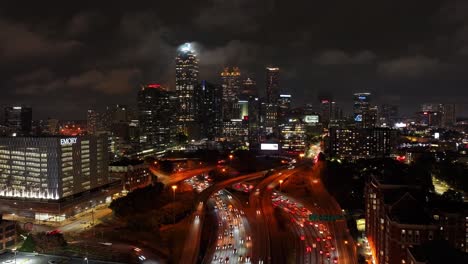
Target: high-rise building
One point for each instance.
(325, 111)
(92, 118)
(272, 85)
(249, 88)
(365, 115)
(209, 97)
(156, 117)
(284, 106)
(388, 115)
(449, 114)
(254, 122)
(186, 82)
(293, 135)
(19, 119)
(230, 80)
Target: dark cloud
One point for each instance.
(339, 57)
(67, 55)
(411, 67)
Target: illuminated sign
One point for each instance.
(311, 118)
(153, 85)
(68, 141)
(285, 95)
(362, 98)
(436, 135)
(358, 118)
(269, 146)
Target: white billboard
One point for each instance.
(311, 119)
(269, 146)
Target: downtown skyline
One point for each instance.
(109, 51)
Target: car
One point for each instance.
(335, 260)
(240, 258)
(247, 258)
(234, 251)
(227, 260)
(136, 249)
(249, 238)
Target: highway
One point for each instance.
(192, 244)
(269, 242)
(320, 202)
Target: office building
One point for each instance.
(249, 88)
(48, 173)
(293, 136)
(156, 117)
(354, 143)
(284, 106)
(230, 80)
(269, 116)
(365, 115)
(186, 81)
(449, 115)
(209, 97)
(134, 174)
(272, 85)
(19, 119)
(255, 125)
(388, 115)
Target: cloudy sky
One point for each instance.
(61, 57)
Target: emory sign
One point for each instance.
(67, 141)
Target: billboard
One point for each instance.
(269, 146)
(311, 118)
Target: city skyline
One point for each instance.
(109, 52)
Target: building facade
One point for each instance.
(186, 81)
(19, 119)
(272, 85)
(156, 117)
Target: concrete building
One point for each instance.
(40, 175)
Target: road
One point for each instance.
(268, 243)
(174, 178)
(320, 202)
(233, 242)
(192, 244)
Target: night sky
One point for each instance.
(61, 57)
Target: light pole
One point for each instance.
(14, 250)
(280, 182)
(174, 188)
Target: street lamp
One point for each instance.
(280, 182)
(174, 188)
(14, 251)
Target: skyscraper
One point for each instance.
(249, 88)
(209, 97)
(231, 87)
(19, 119)
(365, 115)
(272, 85)
(156, 116)
(186, 82)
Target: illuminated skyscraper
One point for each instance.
(186, 82)
(231, 87)
(272, 85)
(249, 88)
(156, 117)
(19, 119)
(365, 115)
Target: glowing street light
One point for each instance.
(280, 182)
(174, 188)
